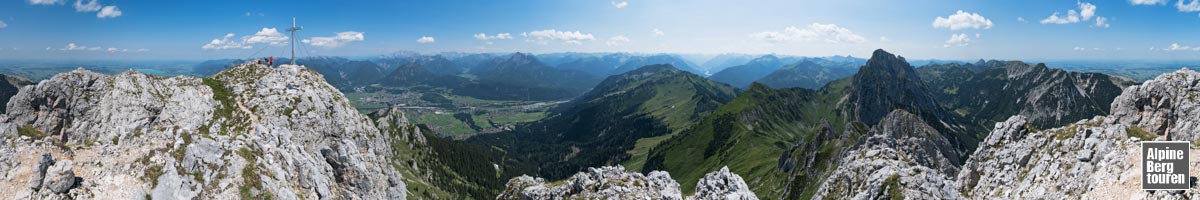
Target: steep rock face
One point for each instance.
(1090, 159)
(902, 157)
(613, 182)
(1166, 105)
(248, 132)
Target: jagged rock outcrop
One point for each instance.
(1090, 159)
(613, 182)
(1166, 105)
(901, 157)
(248, 132)
(722, 185)
(610, 182)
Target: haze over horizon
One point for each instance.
(954, 30)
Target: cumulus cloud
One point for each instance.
(567, 37)
(1177, 47)
(1086, 12)
(45, 2)
(1148, 2)
(621, 4)
(831, 33)
(1021, 19)
(339, 40)
(268, 36)
(226, 42)
(498, 36)
(617, 41)
(658, 33)
(963, 20)
(957, 40)
(109, 12)
(1193, 6)
(1101, 22)
(425, 39)
(1089, 49)
(91, 6)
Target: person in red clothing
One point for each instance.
(272, 61)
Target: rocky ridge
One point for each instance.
(1090, 159)
(901, 157)
(613, 182)
(250, 131)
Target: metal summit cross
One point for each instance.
(293, 30)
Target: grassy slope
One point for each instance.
(750, 133)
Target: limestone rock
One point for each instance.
(901, 157)
(39, 171)
(60, 177)
(1090, 159)
(723, 185)
(249, 132)
(610, 182)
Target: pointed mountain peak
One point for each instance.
(766, 58)
(883, 58)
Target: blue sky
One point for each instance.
(1020, 29)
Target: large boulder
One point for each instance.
(60, 177)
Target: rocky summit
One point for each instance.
(249, 132)
(613, 182)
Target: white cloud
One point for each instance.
(3, 25)
(225, 43)
(1177, 47)
(1087, 12)
(45, 2)
(247, 14)
(485, 37)
(425, 39)
(74, 47)
(884, 39)
(1101, 22)
(109, 12)
(831, 33)
(617, 41)
(267, 35)
(621, 4)
(1089, 49)
(1193, 6)
(339, 40)
(568, 37)
(963, 20)
(658, 33)
(1148, 2)
(91, 6)
(977, 35)
(1022, 20)
(958, 40)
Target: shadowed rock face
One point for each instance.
(887, 82)
(250, 131)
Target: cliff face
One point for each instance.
(1089, 159)
(250, 131)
